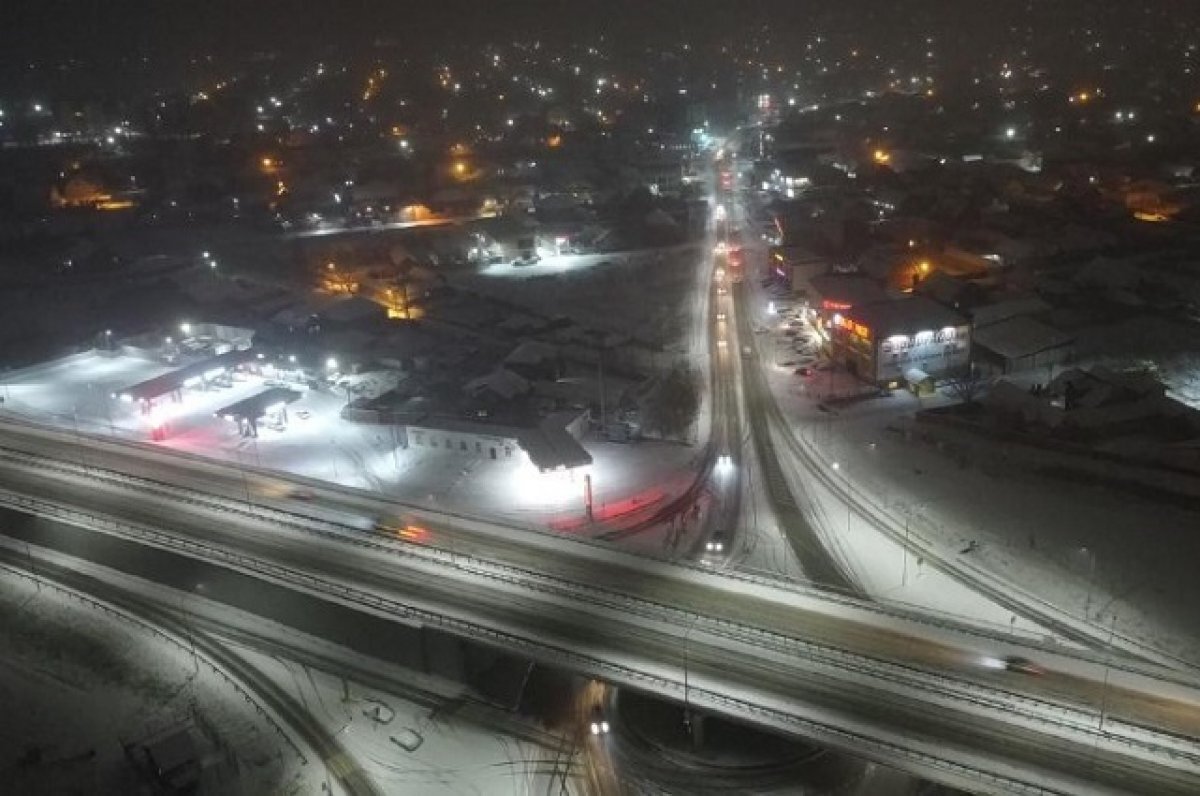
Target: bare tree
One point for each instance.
(969, 385)
(672, 408)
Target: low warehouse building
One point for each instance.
(1020, 344)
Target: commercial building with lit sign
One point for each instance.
(908, 341)
(837, 294)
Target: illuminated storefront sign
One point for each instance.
(853, 327)
(903, 342)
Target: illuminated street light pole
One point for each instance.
(836, 467)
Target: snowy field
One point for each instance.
(318, 443)
(645, 294)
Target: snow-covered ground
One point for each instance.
(1123, 562)
(409, 747)
(318, 443)
(76, 684)
(646, 294)
(89, 682)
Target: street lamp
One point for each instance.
(186, 328)
(1091, 558)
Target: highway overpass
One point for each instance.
(914, 691)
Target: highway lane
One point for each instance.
(724, 480)
(963, 657)
(261, 539)
(818, 565)
(768, 678)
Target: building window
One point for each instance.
(462, 444)
(478, 447)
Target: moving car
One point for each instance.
(1020, 665)
(599, 725)
(407, 531)
(717, 543)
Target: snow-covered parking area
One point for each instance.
(317, 442)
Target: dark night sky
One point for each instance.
(103, 32)
(94, 26)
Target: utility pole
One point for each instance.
(600, 368)
(587, 496)
(687, 703)
(32, 569)
(1112, 631)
